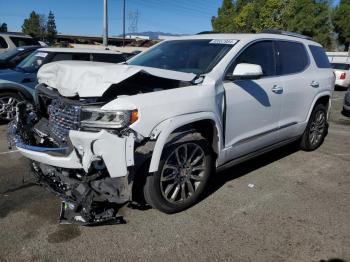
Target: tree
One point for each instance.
(51, 31)
(224, 22)
(341, 21)
(3, 27)
(35, 25)
(309, 17)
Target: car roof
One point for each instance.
(244, 37)
(18, 34)
(77, 50)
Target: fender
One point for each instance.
(324, 93)
(165, 128)
(26, 92)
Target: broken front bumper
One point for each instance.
(88, 148)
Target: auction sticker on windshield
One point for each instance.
(223, 41)
(41, 54)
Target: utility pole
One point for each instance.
(123, 23)
(105, 23)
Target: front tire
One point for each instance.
(316, 129)
(183, 173)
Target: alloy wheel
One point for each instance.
(317, 128)
(183, 172)
(8, 106)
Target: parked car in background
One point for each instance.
(13, 39)
(342, 74)
(346, 107)
(18, 84)
(166, 120)
(12, 57)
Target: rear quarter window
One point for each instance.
(320, 56)
(293, 57)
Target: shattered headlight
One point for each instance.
(96, 117)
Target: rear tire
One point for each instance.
(8, 103)
(183, 173)
(316, 129)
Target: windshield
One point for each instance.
(33, 62)
(341, 66)
(9, 53)
(190, 56)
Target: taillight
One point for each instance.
(342, 76)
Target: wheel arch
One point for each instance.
(18, 89)
(322, 98)
(179, 125)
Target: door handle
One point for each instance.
(315, 84)
(277, 89)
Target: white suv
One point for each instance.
(166, 120)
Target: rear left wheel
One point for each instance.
(316, 129)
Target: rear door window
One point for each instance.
(3, 43)
(61, 57)
(320, 56)
(71, 56)
(109, 58)
(82, 57)
(292, 56)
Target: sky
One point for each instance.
(85, 16)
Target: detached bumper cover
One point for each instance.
(116, 152)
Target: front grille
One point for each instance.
(62, 118)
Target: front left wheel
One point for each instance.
(183, 173)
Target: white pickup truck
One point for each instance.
(169, 118)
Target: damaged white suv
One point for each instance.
(166, 120)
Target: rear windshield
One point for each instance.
(320, 56)
(22, 41)
(341, 66)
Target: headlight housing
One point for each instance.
(96, 117)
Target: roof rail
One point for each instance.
(281, 32)
(206, 32)
(14, 34)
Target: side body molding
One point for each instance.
(165, 128)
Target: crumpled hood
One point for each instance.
(92, 79)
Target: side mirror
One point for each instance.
(247, 71)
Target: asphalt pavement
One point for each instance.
(288, 205)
